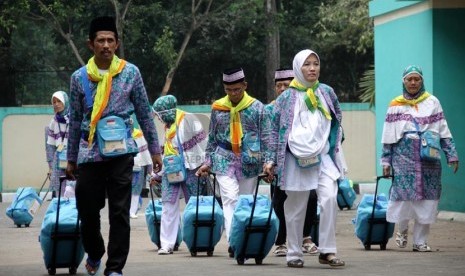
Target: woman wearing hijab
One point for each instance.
(308, 156)
(57, 140)
(185, 136)
(416, 185)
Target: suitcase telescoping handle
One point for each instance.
(42, 187)
(378, 178)
(199, 179)
(273, 182)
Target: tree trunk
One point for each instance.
(272, 48)
(170, 75)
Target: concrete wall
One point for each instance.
(22, 143)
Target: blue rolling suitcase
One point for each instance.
(203, 222)
(25, 205)
(254, 227)
(153, 220)
(345, 194)
(60, 237)
(371, 226)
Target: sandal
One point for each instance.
(310, 248)
(401, 239)
(92, 266)
(330, 259)
(296, 263)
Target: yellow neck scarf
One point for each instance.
(103, 89)
(400, 100)
(137, 133)
(171, 132)
(235, 126)
(311, 100)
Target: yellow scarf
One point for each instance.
(400, 100)
(171, 132)
(103, 89)
(235, 126)
(137, 133)
(311, 100)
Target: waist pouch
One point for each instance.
(430, 146)
(112, 136)
(308, 162)
(174, 168)
(62, 159)
(250, 148)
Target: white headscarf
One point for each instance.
(299, 60)
(59, 95)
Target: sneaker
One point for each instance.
(310, 248)
(401, 240)
(133, 216)
(92, 266)
(280, 251)
(421, 248)
(163, 251)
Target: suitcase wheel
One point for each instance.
(240, 261)
(27, 225)
(18, 225)
(209, 253)
(367, 246)
(52, 271)
(72, 270)
(382, 246)
(258, 261)
(193, 254)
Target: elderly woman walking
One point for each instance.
(416, 186)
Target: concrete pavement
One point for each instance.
(20, 253)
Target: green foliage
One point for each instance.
(164, 47)
(11, 10)
(367, 86)
(154, 32)
(346, 22)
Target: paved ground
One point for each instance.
(20, 254)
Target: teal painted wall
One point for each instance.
(379, 7)
(449, 76)
(434, 40)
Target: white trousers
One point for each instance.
(170, 219)
(230, 190)
(420, 231)
(134, 205)
(294, 211)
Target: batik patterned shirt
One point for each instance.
(127, 96)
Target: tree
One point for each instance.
(272, 47)
(61, 15)
(11, 11)
(200, 12)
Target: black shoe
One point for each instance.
(296, 263)
(231, 252)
